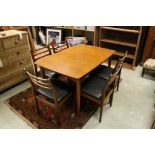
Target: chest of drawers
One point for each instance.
(14, 57)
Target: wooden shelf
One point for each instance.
(122, 54)
(120, 29)
(83, 30)
(125, 65)
(121, 39)
(118, 42)
(75, 29)
(65, 28)
(90, 30)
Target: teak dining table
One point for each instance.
(76, 62)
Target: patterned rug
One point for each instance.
(23, 104)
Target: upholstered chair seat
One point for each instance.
(61, 88)
(104, 72)
(149, 64)
(94, 86)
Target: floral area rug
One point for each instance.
(23, 104)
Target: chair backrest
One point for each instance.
(59, 46)
(120, 61)
(115, 74)
(123, 58)
(111, 82)
(41, 52)
(38, 82)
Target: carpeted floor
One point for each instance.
(23, 104)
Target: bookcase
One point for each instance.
(77, 31)
(121, 39)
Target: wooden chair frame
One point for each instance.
(38, 82)
(41, 52)
(55, 47)
(108, 92)
(120, 61)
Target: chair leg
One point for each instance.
(118, 83)
(119, 78)
(58, 123)
(143, 71)
(37, 106)
(101, 109)
(111, 99)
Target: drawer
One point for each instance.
(13, 66)
(14, 41)
(14, 54)
(13, 78)
(1, 45)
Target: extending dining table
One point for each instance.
(76, 62)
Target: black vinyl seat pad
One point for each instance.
(61, 88)
(103, 72)
(94, 86)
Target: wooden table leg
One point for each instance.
(78, 95)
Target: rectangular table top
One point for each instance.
(76, 61)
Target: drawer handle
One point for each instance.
(16, 42)
(20, 63)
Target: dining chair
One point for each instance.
(57, 47)
(39, 53)
(104, 71)
(100, 90)
(149, 65)
(51, 92)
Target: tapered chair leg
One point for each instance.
(37, 106)
(57, 117)
(118, 83)
(101, 109)
(119, 78)
(143, 71)
(111, 99)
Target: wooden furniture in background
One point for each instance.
(31, 41)
(76, 62)
(122, 39)
(149, 65)
(149, 49)
(77, 31)
(36, 53)
(14, 56)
